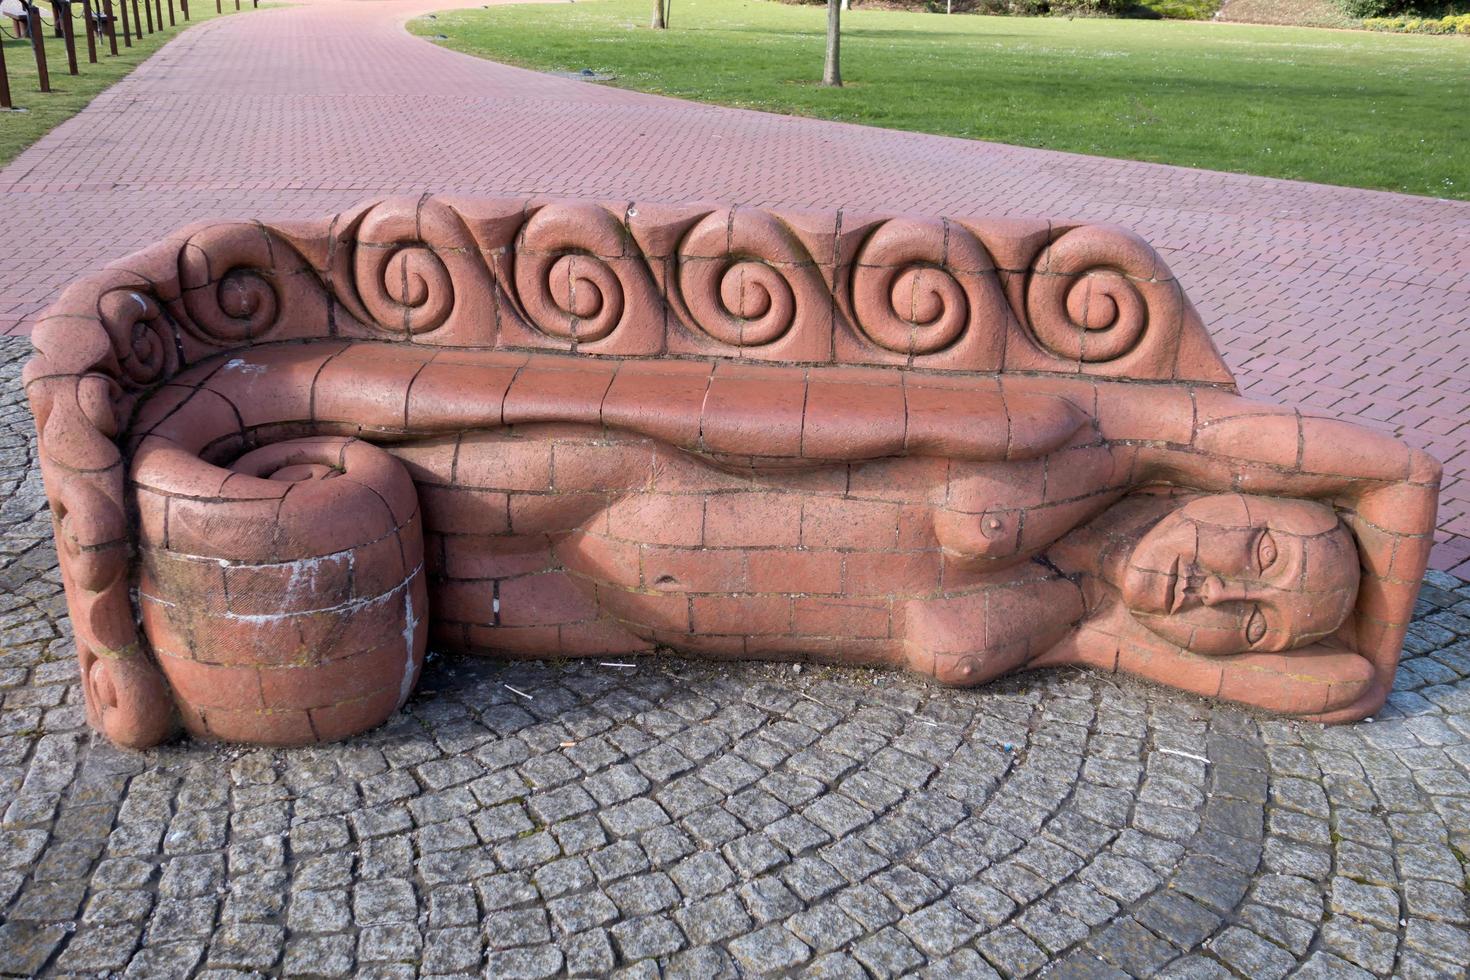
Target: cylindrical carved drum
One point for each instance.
(290, 605)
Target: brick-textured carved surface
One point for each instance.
(282, 459)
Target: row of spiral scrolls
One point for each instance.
(743, 283)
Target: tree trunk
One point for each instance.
(658, 15)
(832, 70)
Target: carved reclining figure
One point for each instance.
(283, 458)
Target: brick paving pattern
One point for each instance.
(695, 820)
(1349, 302)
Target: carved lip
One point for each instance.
(1173, 595)
(1168, 596)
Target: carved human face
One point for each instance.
(1230, 573)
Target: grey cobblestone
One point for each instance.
(731, 820)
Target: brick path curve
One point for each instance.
(1348, 301)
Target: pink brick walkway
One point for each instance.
(1352, 302)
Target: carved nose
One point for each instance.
(1214, 591)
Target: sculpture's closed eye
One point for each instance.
(1265, 551)
(1255, 627)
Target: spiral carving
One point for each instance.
(741, 301)
(227, 273)
(142, 338)
(567, 274)
(404, 286)
(906, 295)
(1093, 295)
(744, 281)
(565, 278)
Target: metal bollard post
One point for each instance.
(38, 44)
(111, 26)
(122, 8)
(158, 8)
(148, 12)
(5, 102)
(62, 13)
(184, 7)
(170, 13)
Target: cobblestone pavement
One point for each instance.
(1350, 302)
(695, 820)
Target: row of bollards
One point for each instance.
(100, 24)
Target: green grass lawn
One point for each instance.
(70, 94)
(1361, 109)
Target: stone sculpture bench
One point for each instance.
(284, 458)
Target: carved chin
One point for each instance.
(1145, 593)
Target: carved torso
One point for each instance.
(586, 428)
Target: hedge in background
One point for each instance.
(1364, 9)
(1453, 24)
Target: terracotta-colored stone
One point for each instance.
(537, 642)
(267, 727)
(474, 556)
(453, 396)
(852, 421)
(581, 287)
(900, 441)
(539, 600)
(695, 569)
(743, 284)
(345, 718)
(346, 679)
(844, 523)
(490, 461)
(787, 570)
(656, 518)
(593, 465)
(876, 573)
(554, 511)
(758, 520)
(748, 615)
(600, 638)
(552, 389)
(367, 384)
(841, 617)
(923, 290)
(750, 416)
(660, 398)
(946, 421)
